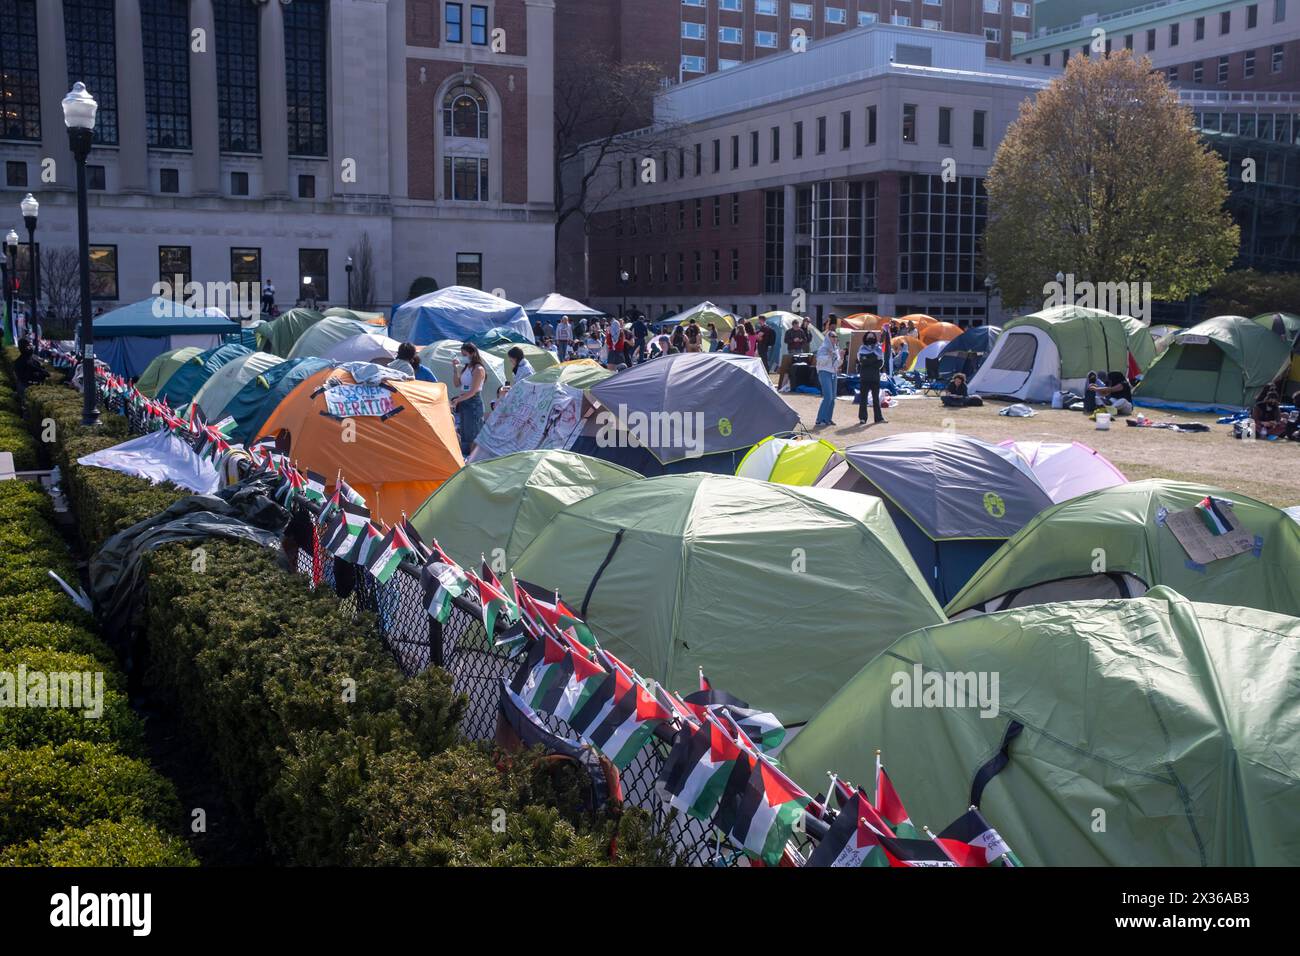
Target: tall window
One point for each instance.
(945, 126)
(166, 29)
(92, 59)
(304, 65)
(821, 135)
(774, 240)
(977, 131)
(871, 126)
(454, 16)
(246, 273)
(798, 139)
(478, 25)
(465, 113)
(469, 269)
(465, 178)
(909, 122)
(940, 225)
(237, 80)
(20, 80)
(174, 269)
(776, 144)
(314, 274)
(846, 130)
(842, 225)
(103, 271)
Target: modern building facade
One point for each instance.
(1199, 44)
(846, 178)
(253, 140)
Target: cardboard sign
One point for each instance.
(1201, 545)
(359, 401)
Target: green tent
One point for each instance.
(1221, 363)
(540, 358)
(577, 373)
(226, 381)
(502, 504)
(370, 318)
(326, 334)
(157, 372)
(279, 335)
(1155, 731)
(1115, 542)
(1285, 325)
(1087, 339)
(181, 387)
(438, 356)
(778, 593)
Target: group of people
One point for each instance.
(1271, 420)
(870, 367)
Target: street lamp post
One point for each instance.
(79, 109)
(348, 269)
(309, 300)
(988, 294)
(623, 278)
(10, 257)
(31, 209)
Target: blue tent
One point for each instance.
(130, 337)
(456, 312)
(254, 403)
(186, 381)
(967, 352)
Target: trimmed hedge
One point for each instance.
(34, 726)
(126, 842)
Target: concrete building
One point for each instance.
(255, 140)
(853, 172)
(1199, 44)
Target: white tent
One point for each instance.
(558, 305)
(1025, 364)
(1067, 469)
(365, 347)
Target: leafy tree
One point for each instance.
(1249, 293)
(1103, 177)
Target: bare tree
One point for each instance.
(60, 288)
(363, 271)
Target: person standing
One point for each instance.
(766, 338)
(564, 338)
(693, 336)
(740, 340)
(640, 333)
(870, 364)
(268, 298)
(828, 365)
(796, 343)
(468, 405)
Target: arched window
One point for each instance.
(465, 113)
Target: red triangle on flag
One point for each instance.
(777, 788)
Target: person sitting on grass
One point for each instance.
(1267, 414)
(1118, 393)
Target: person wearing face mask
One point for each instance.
(467, 406)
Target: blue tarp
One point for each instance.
(456, 312)
(158, 316)
(129, 355)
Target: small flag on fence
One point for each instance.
(891, 806)
(352, 520)
(696, 771)
(762, 727)
(442, 580)
(851, 840)
(972, 841)
(388, 555)
(314, 487)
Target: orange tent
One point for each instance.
(914, 345)
(940, 332)
(861, 322)
(920, 318)
(394, 443)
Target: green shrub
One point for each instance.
(75, 784)
(54, 636)
(15, 438)
(127, 842)
(45, 605)
(33, 726)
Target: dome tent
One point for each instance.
(395, 460)
(704, 313)
(226, 382)
(954, 498)
(787, 460)
(1177, 719)
(253, 404)
(541, 359)
(131, 336)
(557, 306)
(967, 352)
(686, 571)
(1055, 349)
(280, 334)
(502, 504)
(691, 411)
(1066, 469)
(327, 333)
(372, 346)
(1222, 363)
(1054, 557)
(158, 371)
(456, 312)
(781, 323)
(186, 381)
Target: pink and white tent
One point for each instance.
(1067, 469)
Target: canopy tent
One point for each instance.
(967, 352)
(258, 398)
(437, 358)
(280, 334)
(395, 460)
(131, 336)
(781, 322)
(1177, 720)
(540, 358)
(1222, 363)
(186, 381)
(456, 312)
(1054, 350)
(557, 306)
(327, 333)
(1054, 557)
(690, 411)
(954, 498)
(705, 313)
(371, 346)
(497, 507)
(939, 332)
(544, 411)
(787, 460)
(226, 382)
(162, 367)
(691, 571)
(1067, 469)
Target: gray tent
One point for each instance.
(954, 498)
(556, 306)
(691, 411)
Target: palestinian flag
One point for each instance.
(767, 812)
(907, 851)
(697, 770)
(314, 487)
(891, 807)
(584, 678)
(492, 599)
(851, 840)
(626, 713)
(367, 546)
(392, 551)
(346, 534)
(843, 794)
(760, 726)
(1215, 515)
(349, 494)
(568, 620)
(422, 550)
(972, 841)
(226, 426)
(548, 665)
(441, 581)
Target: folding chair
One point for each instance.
(934, 382)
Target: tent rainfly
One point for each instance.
(555, 306)
(1222, 364)
(132, 336)
(456, 312)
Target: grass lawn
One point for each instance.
(1269, 471)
